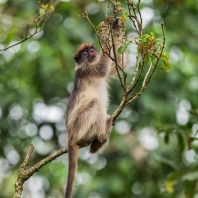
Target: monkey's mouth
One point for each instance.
(92, 59)
(93, 54)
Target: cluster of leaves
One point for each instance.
(150, 47)
(43, 9)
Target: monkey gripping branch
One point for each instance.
(150, 51)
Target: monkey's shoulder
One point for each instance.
(81, 73)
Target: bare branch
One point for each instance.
(134, 17)
(132, 84)
(23, 174)
(146, 76)
(20, 180)
(135, 72)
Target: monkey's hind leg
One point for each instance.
(99, 143)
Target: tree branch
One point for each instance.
(24, 174)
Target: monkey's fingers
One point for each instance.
(119, 28)
(118, 23)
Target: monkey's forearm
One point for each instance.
(120, 60)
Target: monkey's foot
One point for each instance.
(96, 145)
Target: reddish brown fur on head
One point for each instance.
(82, 47)
(85, 47)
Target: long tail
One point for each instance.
(73, 157)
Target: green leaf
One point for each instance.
(167, 161)
(152, 35)
(47, 6)
(41, 11)
(158, 40)
(125, 14)
(181, 142)
(167, 138)
(123, 47)
(189, 188)
(167, 65)
(171, 180)
(165, 55)
(96, 1)
(191, 176)
(147, 59)
(169, 186)
(175, 176)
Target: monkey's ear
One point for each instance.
(76, 57)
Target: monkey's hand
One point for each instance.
(118, 27)
(104, 40)
(103, 34)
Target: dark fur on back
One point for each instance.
(78, 87)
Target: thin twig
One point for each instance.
(27, 158)
(43, 162)
(117, 112)
(139, 21)
(138, 58)
(145, 78)
(132, 86)
(20, 180)
(85, 15)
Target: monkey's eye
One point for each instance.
(85, 53)
(91, 50)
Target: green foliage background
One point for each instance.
(35, 83)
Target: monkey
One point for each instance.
(86, 113)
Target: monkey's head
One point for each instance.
(86, 53)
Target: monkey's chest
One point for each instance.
(101, 91)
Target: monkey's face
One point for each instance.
(88, 54)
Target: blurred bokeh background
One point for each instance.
(150, 154)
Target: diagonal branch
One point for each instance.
(23, 174)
